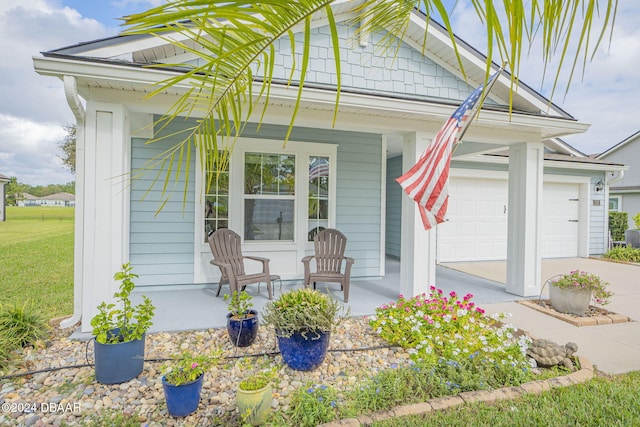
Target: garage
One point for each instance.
(476, 226)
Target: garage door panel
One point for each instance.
(560, 213)
(477, 220)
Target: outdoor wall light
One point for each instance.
(599, 186)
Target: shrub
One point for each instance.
(624, 253)
(130, 321)
(618, 224)
(303, 310)
(23, 325)
(636, 220)
(435, 326)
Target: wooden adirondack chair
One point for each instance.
(227, 255)
(329, 256)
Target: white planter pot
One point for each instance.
(568, 300)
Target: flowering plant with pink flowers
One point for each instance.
(439, 326)
(582, 280)
(187, 367)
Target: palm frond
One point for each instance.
(234, 43)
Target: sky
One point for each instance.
(33, 109)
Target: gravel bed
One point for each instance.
(67, 396)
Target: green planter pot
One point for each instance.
(254, 405)
(568, 300)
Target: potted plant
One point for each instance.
(572, 292)
(120, 333)
(303, 320)
(182, 381)
(254, 396)
(242, 322)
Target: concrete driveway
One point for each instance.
(612, 348)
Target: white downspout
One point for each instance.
(617, 176)
(73, 99)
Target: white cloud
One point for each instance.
(29, 151)
(605, 96)
(32, 107)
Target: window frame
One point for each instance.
(268, 196)
(300, 243)
(619, 201)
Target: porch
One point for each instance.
(199, 308)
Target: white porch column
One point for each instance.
(418, 247)
(107, 155)
(523, 235)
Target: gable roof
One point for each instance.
(67, 197)
(123, 58)
(143, 50)
(628, 140)
(4, 178)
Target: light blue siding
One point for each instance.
(374, 67)
(394, 207)
(599, 223)
(358, 198)
(162, 245)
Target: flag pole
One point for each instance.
(476, 110)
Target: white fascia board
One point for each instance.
(59, 67)
(473, 59)
(549, 163)
(148, 77)
(551, 126)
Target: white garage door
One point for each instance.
(476, 229)
(559, 222)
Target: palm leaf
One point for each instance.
(234, 42)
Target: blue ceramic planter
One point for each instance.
(242, 333)
(119, 362)
(304, 354)
(182, 399)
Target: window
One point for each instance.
(318, 213)
(216, 203)
(269, 196)
(614, 204)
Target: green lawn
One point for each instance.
(36, 264)
(599, 402)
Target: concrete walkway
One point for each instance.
(611, 348)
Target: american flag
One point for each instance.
(318, 167)
(427, 182)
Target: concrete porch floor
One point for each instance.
(199, 308)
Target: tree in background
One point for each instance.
(68, 147)
(14, 191)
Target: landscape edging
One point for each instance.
(585, 373)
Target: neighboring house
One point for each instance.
(59, 199)
(535, 199)
(3, 197)
(624, 187)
